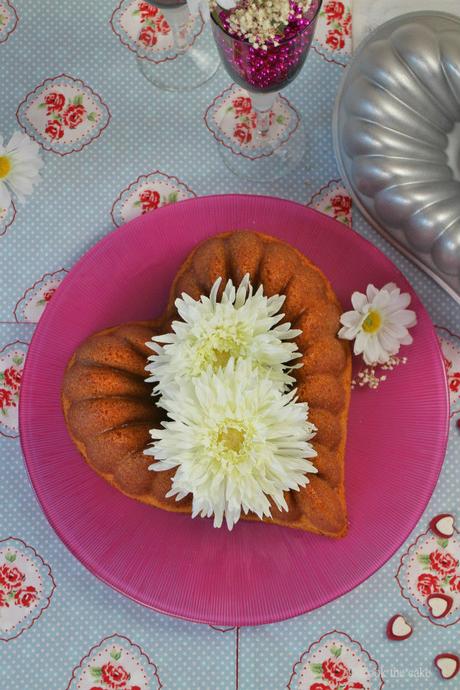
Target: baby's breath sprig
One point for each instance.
(262, 22)
(370, 376)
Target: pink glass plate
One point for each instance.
(258, 573)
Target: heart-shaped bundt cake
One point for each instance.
(109, 409)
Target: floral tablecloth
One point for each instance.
(114, 148)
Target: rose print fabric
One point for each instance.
(336, 662)
(13, 591)
(154, 24)
(450, 345)
(63, 114)
(431, 565)
(335, 200)
(333, 34)
(116, 662)
(31, 305)
(144, 30)
(8, 20)
(12, 357)
(232, 121)
(7, 216)
(26, 587)
(147, 193)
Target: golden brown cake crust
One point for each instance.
(108, 406)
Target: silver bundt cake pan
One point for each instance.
(397, 138)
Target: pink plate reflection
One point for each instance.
(258, 573)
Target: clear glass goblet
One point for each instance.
(175, 50)
(263, 72)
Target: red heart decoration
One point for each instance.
(398, 628)
(437, 609)
(448, 665)
(443, 525)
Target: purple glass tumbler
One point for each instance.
(263, 72)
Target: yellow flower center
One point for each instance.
(217, 347)
(219, 358)
(5, 166)
(232, 438)
(231, 443)
(372, 322)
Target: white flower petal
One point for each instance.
(399, 301)
(348, 333)
(395, 329)
(5, 196)
(371, 351)
(360, 343)
(407, 339)
(381, 300)
(358, 301)
(18, 140)
(388, 342)
(392, 288)
(20, 186)
(351, 319)
(405, 317)
(371, 292)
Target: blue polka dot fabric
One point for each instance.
(115, 147)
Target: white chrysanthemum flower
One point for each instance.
(379, 323)
(242, 325)
(20, 163)
(237, 443)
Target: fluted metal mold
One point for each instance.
(397, 138)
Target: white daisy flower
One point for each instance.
(20, 163)
(237, 442)
(242, 325)
(379, 323)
